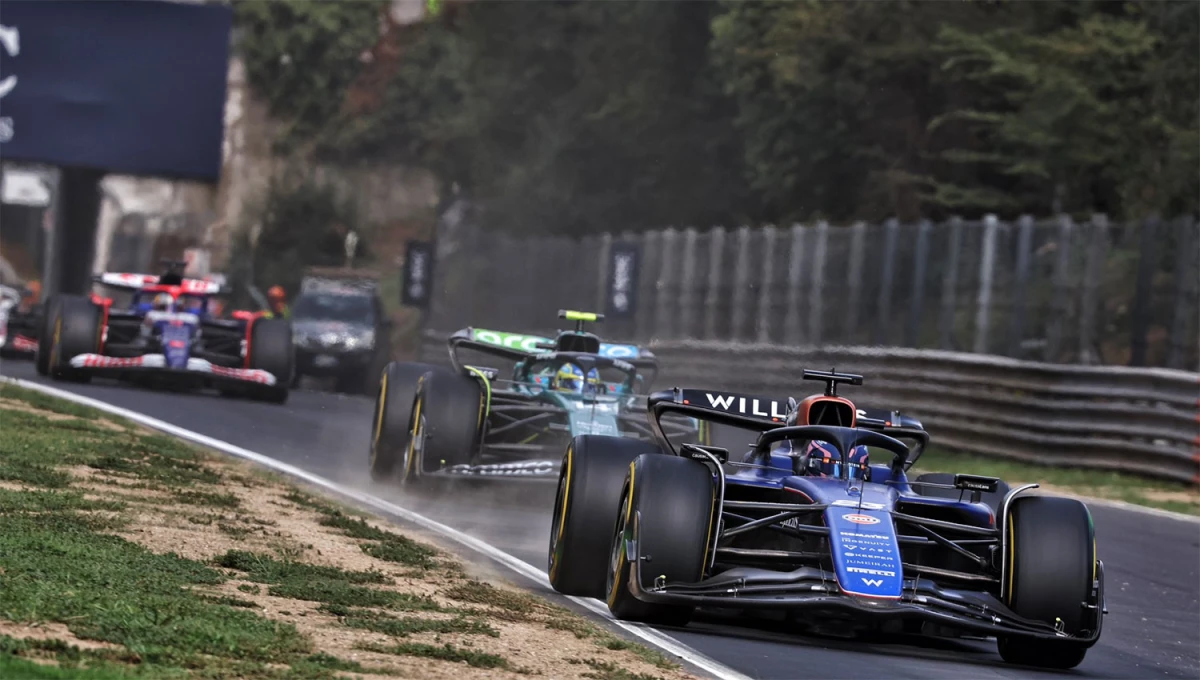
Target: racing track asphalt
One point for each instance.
(1152, 562)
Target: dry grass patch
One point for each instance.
(114, 540)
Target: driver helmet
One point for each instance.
(821, 459)
(570, 378)
(162, 302)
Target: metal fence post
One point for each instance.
(1185, 289)
(916, 298)
(983, 301)
(1140, 316)
(950, 286)
(1096, 254)
(816, 298)
(716, 253)
(764, 293)
(665, 306)
(858, 234)
(1058, 301)
(792, 332)
(883, 306)
(648, 304)
(1020, 303)
(604, 252)
(741, 283)
(687, 285)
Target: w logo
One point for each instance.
(876, 582)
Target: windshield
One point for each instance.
(326, 307)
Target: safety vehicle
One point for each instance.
(467, 420)
(820, 523)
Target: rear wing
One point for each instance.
(340, 280)
(128, 281)
(517, 347)
(762, 413)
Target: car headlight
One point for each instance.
(364, 339)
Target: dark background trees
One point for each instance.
(581, 116)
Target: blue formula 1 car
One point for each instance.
(165, 334)
(467, 421)
(808, 522)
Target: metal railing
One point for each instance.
(1055, 290)
(1138, 420)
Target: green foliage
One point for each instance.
(301, 56)
(304, 223)
(577, 117)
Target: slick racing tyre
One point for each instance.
(77, 328)
(666, 513)
(393, 414)
(1051, 556)
(271, 351)
(447, 418)
(45, 333)
(589, 492)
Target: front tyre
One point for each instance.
(45, 332)
(445, 425)
(394, 399)
(1051, 556)
(271, 351)
(76, 328)
(666, 515)
(589, 491)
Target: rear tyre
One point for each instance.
(589, 492)
(444, 427)
(666, 514)
(393, 412)
(45, 332)
(271, 351)
(77, 329)
(1051, 555)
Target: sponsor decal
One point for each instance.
(860, 519)
(751, 406)
(528, 468)
(844, 503)
(874, 582)
(525, 343)
(873, 572)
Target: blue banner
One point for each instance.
(129, 87)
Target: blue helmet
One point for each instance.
(570, 378)
(822, 459)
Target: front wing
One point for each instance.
(99, 364)
(816, 590)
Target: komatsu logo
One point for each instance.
(730, 402)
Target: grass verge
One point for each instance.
(126, 554)
(1165, 495)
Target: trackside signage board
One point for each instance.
(529, 343)
(131, 87)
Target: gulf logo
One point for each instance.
(860, 519)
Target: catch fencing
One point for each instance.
(1053, 290)
(1144, 421)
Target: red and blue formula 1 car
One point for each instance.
(165, 334)
(820, 520)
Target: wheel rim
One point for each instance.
(416, 442)
(617, 553)
(557, 521)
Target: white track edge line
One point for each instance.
(651, 636)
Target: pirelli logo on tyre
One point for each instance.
(860, 519)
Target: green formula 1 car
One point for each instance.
(467, 421)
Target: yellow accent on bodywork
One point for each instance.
(485, 407)
(572, 315)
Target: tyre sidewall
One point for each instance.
(450, 408)
(667, 519)
(592, 475)
(391, 424)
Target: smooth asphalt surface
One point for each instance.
(1153, 563)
